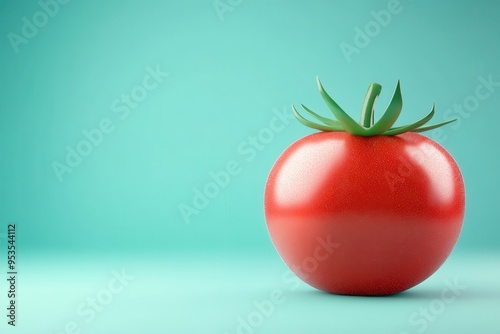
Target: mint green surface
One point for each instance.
(201, 294)
(180, 109)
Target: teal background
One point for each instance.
(227, 79)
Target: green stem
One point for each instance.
(367, 126)
(367, 110)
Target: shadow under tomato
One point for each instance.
(471, 293)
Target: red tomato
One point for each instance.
(364, 215)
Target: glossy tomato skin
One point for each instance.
(364, 215)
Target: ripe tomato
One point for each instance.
(364, 215)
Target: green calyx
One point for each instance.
(366, 127)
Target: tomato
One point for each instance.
(364, 215)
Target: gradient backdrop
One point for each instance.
(172, 92)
